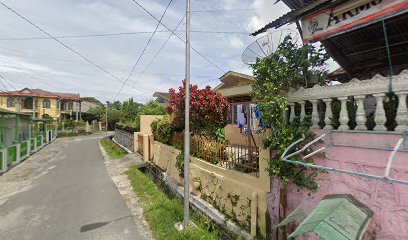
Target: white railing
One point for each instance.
(368, 96)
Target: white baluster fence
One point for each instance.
(368, 96)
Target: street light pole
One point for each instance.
(106, 118)
(187, 224)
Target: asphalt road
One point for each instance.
(63, 192)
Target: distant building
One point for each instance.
(236, 87)
(85, 106)
(162, 97)
(41, 103)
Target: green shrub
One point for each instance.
(180, 162)
(113, 150)
(162, 129)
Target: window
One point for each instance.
(46, 103)
(232, 115)
(10, 102)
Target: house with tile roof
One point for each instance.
(162, 97)
(41, 103)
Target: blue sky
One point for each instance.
(43, 63)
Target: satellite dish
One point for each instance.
(266, 45)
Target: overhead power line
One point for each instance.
(224, 10)
(118, 34)
(144, 49)
(173, 33)
(4, 85)
(9, 83)
(68, 47)
(158, 52)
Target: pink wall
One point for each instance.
(388, 201)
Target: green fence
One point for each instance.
(39, 141)
(32, 145)
(1, 161)
(11, 154)
(23, 149)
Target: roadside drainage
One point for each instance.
(229, 230)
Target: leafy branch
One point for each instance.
(289, 67)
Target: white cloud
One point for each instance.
(62, 70)
(236, 43)
(266, 11)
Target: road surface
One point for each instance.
(63, 192)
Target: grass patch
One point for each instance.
(162, 212)
(112, 148)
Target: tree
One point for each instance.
(290, 66)
(151, 108)
(114, 115)
(208, 109)
(116, 105)
(92, 100)
(131, 109)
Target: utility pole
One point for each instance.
(106, 118)
(187, 224)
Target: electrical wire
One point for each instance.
(158, 52)
(173, 33)
(2, 77)
(224, 10)
(4, 85)
(68, 47)
(144, 49)
(30, 72)
(119, 34)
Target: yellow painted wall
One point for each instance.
(52, 111)
(235, 137)
(3, 104)
(146, 121)
(227, 190)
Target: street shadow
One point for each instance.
(92, 226)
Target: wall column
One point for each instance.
(315, 115)
(34, 107)
(380, 117)
(402, 113)
(18, 104)
(3, 131)
(302, 110)
(360, 114)
(344, 119)
(76, 113)
(328, 114)
(16, 128)
(29, 137)
(291, 112)
(80, 111)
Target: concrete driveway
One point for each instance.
(64, 192)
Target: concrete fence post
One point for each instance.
(254, 215)
(87, 128)
(18, 153)
(29, 146)
(4, 159)
(136, 141)
(151, 142)
(264, 157)
(146, 151)
(35, 144)
(265, 180)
